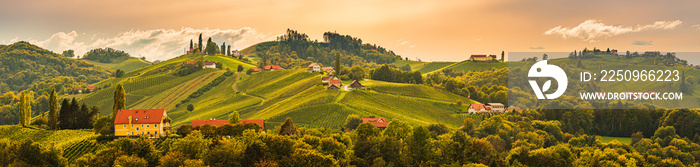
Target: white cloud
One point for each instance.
(156, 44)
(402, 42)
(591, 30)
(696, 26)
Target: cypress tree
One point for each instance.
(63, 114)
(228, 51)
(288, 128)
(200, 42)
(191, 46)
(74, 113)
(53, 110)
(119, 100)
(223, 48)
(25, 109)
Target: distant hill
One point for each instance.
(124, 63)
(24, 66)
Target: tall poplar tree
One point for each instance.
(223, 48)
(200, 42)
(191, 45)
(337, 64)
(228, 51)
(53, 110)
(119, 100)
(25, 109)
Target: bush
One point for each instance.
(190, 107)
(130, 161)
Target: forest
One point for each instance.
(105, 55)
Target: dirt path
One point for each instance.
(235, 84)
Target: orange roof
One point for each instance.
(256, 69)
(334, 81)
(477, 106)
(90, 87)
(139, 116)
(196, 123)
(273, 67)
(377, 122)
(260, 122)
(208, 63)
(312, 64)
(478, 55)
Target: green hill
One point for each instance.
(124, 63)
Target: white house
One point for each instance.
(496, 107)
(236, 53)
(477, 108)
(314, 67)
(209, 64)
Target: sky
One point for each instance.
(417, 29)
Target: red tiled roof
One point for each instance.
(139, 116)
(327, 68)
(260, 122)
(196, 123)
(326, 78)
(273, 67)
(494, 56)
(477, 106)
(478, 55)
(334, 81)
(377, 122)
(208, 63)
(256, 69)
(90, 87)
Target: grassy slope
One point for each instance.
(228, 62)
(126, 64)
(625, 140)
(60, 138)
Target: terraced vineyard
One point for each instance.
(78, 149)
(60, 138)
(125, 64)
(228, 62)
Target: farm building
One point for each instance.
(314, 67)
(377, 122)
(91, 88)
(325, 79)
(273, 68)
(255, 69)
(141, 122)
(328, 69)
(196, 123)
(209, 64)
(482, 57)
(477, 108)
(334, 82)
(496, 107)
(356, 85)
(235, 53)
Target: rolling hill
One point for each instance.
(274, 96)
(124, 63)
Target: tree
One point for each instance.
(184, 130)
(240, 68)
(194, 146)
(119, 100)
(288, 128)
(357, 73)
(544, 57)
(25, 109)
(223, 48)
(53, 110)
(234, 118)
(352, 121)
(337, 64)
(228, 51)
(191, 46)
(200, 42)
(419, 145)
(190, 107)
(133, 161)
(69, 53)
(119, 73)
(503, 56)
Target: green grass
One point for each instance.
(126, 64)
(59, 138)
(624, 140)
(415, 90)
(465, 66)
(229, 62)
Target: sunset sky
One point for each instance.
(429, 30)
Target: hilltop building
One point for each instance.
(482, 57)
(196, 123)
(209, 64)
(356, 85)
(334, 83)
(273, 68)
(141, 122)
(496, 107)
(314, 67)
(377, 122)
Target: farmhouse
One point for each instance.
(141, 122)
(235, 53)
(476, 108)
(255, 69)
(273, 68)
(196, 123)
(356, 85)
(482, 57)
(328, 69)
(314, 67)
(91, 88)
(325, 79)
(377, 122)
(496, 107)
(334, 82)
(209, 64)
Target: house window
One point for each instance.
(148, 133)
(137, 128)
(155, 125)
(155, 132)
(148, 125)
(132, 125)
(124, 126)
(142, 125)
